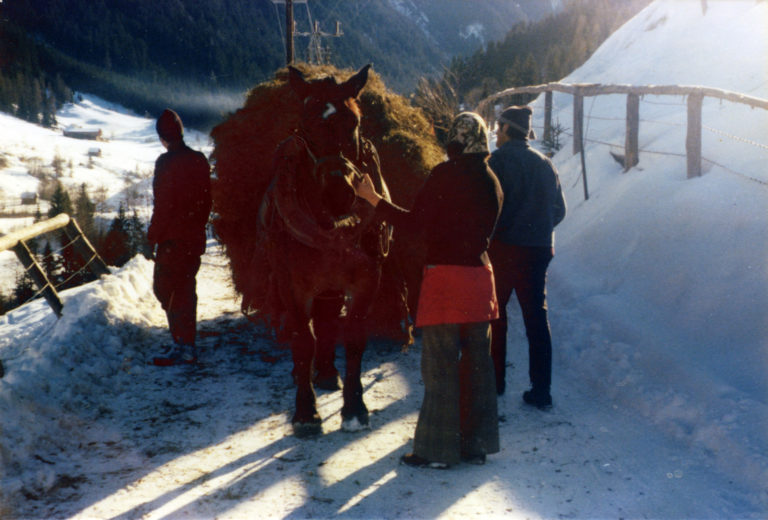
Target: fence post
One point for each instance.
(578, 121)
(547, 115)
(631, 150)
(27, 259)
(693, 136)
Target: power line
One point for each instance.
(314, 48)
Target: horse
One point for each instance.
(323, 248)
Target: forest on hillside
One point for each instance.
(530, 54)
(200, 56)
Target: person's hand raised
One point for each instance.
(366, 190)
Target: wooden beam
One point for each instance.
(596, 89)
(631, 138)
(547, 115)
(578, 122)
(44, 285)
(693, 136)
(10, 240)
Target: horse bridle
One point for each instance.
(341, 237)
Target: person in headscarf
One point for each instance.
(456, 211)
(182, 203)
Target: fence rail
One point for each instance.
(70, 234)
(695, 96)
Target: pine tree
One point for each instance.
(85, 211)
(24, 289)
(49, 111)
(116, 249)
(139, 243)
(60, 202)
(5, 306)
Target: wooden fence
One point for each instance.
(70, 234)
(695, 95)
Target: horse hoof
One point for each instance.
(330, 383)
(354, 424)
(305, 430)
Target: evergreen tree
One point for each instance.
(24, 289)
(60, 202)
(116, 249)
(544, 51)
(5, 303)
(138, 243)
(85, 211)
(49, 111)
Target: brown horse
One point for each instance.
(324, 251)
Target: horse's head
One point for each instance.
(330, 115)
(335, 178)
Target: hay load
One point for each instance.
(244, 145)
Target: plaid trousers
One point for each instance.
(459, 414)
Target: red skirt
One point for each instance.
(457, 294)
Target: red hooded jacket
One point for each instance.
(182, 193)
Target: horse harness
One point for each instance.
(285, 210)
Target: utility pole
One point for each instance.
(315, 48)
(289, 29)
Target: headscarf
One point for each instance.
(468, 134)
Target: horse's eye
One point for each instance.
(329, 110)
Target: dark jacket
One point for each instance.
(533, 200)
(182, 193)
(456, 210)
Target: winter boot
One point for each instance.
(177, 355)
(541, 399)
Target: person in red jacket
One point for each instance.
(457, 210)
(182, 203)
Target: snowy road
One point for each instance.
(215, 442)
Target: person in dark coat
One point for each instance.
(523, 246)
(456, 210)
(182, 203)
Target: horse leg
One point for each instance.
(306, 421)
(325, 324)
(354, 414)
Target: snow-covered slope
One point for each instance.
(116, 167)
(668, 276)
(658, 299)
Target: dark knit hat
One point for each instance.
(169, 126)
(519, 120)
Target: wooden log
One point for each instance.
(578, 122)
(631, 147)
(693, 136)
(595, 89)
(10, 240)
(547, 115)
(44, 285)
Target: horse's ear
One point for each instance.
(297, 82)
(356, 83)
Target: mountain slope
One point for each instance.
(148, 54)
(668, 273)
